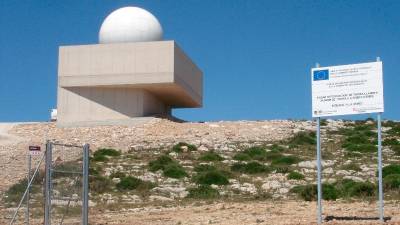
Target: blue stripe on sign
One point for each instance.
(320, 75)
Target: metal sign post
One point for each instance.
(319, 168)
(380, 168)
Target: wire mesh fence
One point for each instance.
(58, 188)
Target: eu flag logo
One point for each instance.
(321, 75)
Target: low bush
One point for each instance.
(390, 169)
(390, 142)
(203, 192)
(276, 147)
(350, 188)
(396, 149)
(170, 167)
(303, 138)
(129, 183)
(210, 156)
(309, 192)
(15, 192)
(392, 181)
(250, 168)
(285, 160)
(94, 171)
(174, 171)
(273, 154)
(241, 157)
(295, 176)
(204, 168)
(362, 189)
(107, 152)
(211, 177)
(256, 153)
(102, 154)
(178, 147)
(160, 163)
(133, 183)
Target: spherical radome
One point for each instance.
(130, 24)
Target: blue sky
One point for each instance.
(256, 55)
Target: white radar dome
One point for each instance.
(130, 24)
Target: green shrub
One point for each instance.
(309, 192)
(129, 183)
(273, 154)
(357, 139)
(15, 192)
(178, 147)
(285, 160)
(170, 167)
(250, 168)
(117, 174)
(174, 171)
(295, 176)
(99, 158)
(362, 189)
(392, 181)
(390, 141)
(256, 153)
(396, 149)
(241, 157)
(212, 177)
(303, 138)
(276, 147)
(390, 169)
(203, 192)
(204, 168)
(94, 171)
(160, 163)
(395, 130)
(210, 156)
(99, 184)
(107, 152)
(350, 188)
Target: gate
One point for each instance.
(65, 185)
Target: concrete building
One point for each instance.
(131, 73)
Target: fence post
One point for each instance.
(85, 182)
(47, 204)
(28, 189)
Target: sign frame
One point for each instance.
(319, 158)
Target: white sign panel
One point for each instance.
(347, 89)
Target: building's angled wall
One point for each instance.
(188, 75)
(84, 104)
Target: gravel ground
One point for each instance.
(277, 213)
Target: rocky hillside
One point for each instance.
(163, 163)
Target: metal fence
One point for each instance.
(64, 187)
